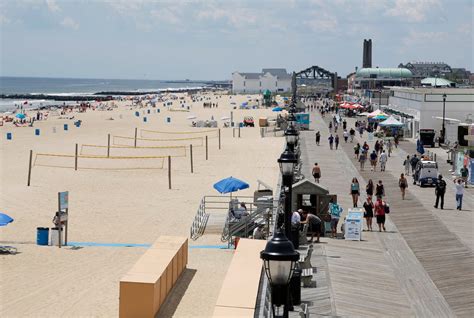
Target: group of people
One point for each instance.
(378, 155)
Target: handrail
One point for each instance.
(200, 221)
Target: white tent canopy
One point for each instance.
(391, 122)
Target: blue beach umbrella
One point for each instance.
(5, 219)
(419, 147)
(20, 116)
(277, 109)
(229, 185)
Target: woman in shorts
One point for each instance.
(369, 188)
(369, 212)
(403, 184)
(335, 211)
(355, 191)
(379, 208)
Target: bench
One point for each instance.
(307, 276)
(304, 313)
(147, 284)
(303, 235)
(239, 290)
(305, 260)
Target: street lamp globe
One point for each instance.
(287, 162)
(291, 135)
(279, 261)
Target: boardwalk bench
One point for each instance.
(238, 294)
(305, 260)
(303, 235)
(144, 288)
(307, 277)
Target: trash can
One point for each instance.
(37, 132)
(137, 114)
(54, 236)
(9, 136)
(295, 287)
(42, 235)
(66, 127)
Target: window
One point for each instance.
(276, 84)
(244, 83)
(260, 84)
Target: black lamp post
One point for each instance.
(279, 261)
(287, 162)
(443, 129)
(291, 135)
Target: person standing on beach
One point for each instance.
(355, 191)
(331, 141)
(403, 184)
(318, 137)
(383, 160)
(406, 164)
(379, 190)
(459, 193)
(369, 212)
(380, 214)
(316, 172)
(440, 190)
(336, 140)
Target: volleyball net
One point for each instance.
(94, 162)
(132, 151)
(140, 141)
(211, 133)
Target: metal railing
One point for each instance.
(200, 221)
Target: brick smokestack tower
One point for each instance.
(367, 54)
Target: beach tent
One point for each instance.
(391, 122)
(375, 113)
(5, 219)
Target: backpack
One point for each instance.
(386, 208)
(442, 186)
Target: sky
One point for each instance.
(209, 40)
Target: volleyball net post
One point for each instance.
(191, 157)
(75, 157)
(29, 167)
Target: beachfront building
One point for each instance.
(421, 70)
(273, 79)
(422, 108)
(378, 77)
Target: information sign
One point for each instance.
(353, 225)
(63, 200)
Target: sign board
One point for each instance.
(353, 225)
(63, 200)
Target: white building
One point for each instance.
(425, 106)
(273, 79)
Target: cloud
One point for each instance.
(321, 21)
(4, 20)
(421, 38)
(69, 22)
(234, 17)
(53, 6)
(166, 15)
(412, 10)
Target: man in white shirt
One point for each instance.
(295, 228)
(459, 193)
(383, 160)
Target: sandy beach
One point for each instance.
(118, 206)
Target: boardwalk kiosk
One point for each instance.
(353, 225)
(312, 197)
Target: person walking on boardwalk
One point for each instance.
(413, 162)
(389, 147)
(440, 190)
(373, 160)
(352, 134)
(336, 141)
(357, 150)
(369, 189)
(403, 184)
(331, 141)
(355, 191)
(345, 134)
(406, 164)
(318, 137)
(369, 212)
(383, 160)
(459, 193)
(379, 208)
(379, 190)
(335, 211)
(365, 146)
(377, 147)
(330, 126)
(362, 159)
(464, 174)
(316, 172)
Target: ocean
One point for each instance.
(76, 86)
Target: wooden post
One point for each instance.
(135, 143)
(233, 132)
(59, 216)
(207, 152)
(219, 138)
(75, 158)
(169, 172)
(191, 156)
(29, 167)
(108, 145)
(239, 131)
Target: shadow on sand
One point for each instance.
(171, 303)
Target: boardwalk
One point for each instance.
(421, 267)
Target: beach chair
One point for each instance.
(8, 250)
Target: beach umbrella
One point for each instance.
(5, 219)
(419, 147)
(229, 185)
(20, 116)
(277, 109)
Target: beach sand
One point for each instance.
(110, 206)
